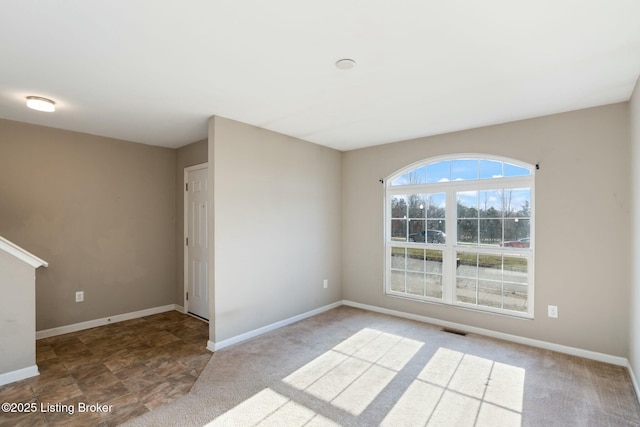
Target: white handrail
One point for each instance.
(22, 254)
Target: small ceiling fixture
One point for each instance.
(41, 104)
(345, 64)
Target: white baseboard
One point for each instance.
(104, 321)
(587, 354)
(215, 346)
(634, 381)
(19, 374)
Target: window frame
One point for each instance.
(451, 248)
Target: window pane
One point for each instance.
(436, 224)
(399, 207)
(490, 267)
(416, 206)
(467, 265)
(513, 200)
(415, 259)
(466, 274)
(491, 204)
(517, 233)
(519, 203)
(466, 290)
(467, 208)
(399, 180)
(490, 293)
(490, 169)
(515, 297)
(439, 172)
(464, 169)
(434, 286)
(399, 230)
(467, 204)
(434, 261)
(416, 283)
(413, 177)
(435, 232)
(436, 205)
(516, 269)
(417, 176)
(468, 231)
(490, 232)
(416, 230)
(398, 258)
(397, 280)
(513, 170)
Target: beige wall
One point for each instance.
(107, 215)
(17, 314)
(189, 155)
(100, 211)
(634, 115)
(582, 224)
(277, 227)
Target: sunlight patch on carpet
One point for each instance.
(253, 410)
(269, 408)
(451, 388)
(352, 374)
(461, 389)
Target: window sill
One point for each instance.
(465, 307)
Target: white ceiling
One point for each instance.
(153, 71)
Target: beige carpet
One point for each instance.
(351, 367)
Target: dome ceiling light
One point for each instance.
(41, 104)
(345, 64)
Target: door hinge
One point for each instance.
(187, 186)
(187, 296)
(187, 241)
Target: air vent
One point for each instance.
(453, 331)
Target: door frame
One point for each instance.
(185, 233)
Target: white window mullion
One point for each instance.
(406, 265)
(449, 254)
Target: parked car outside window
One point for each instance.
(520, 243)
(432, 236)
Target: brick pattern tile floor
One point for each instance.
(131, 367)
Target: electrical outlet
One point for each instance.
(325, 283)
(79, 296)
(553, 311)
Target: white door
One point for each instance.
(196, 241)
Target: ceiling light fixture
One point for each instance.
(345, 64)
(41, 104)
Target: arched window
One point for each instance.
(459, 231)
